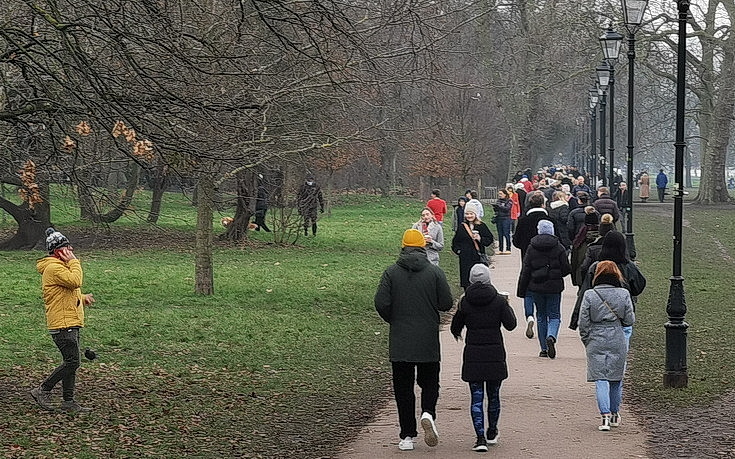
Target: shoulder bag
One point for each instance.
(483, 257)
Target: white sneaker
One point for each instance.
(431, 436)
(530, 321)
(406, 444)
(615, 419)
(605, 424)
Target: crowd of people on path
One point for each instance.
(562, 227)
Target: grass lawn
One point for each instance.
(708, 251)
(289, 352)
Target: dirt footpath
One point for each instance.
(547, 407)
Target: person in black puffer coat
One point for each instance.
(542, 278)
(575, 220)
(559, 214)
(605, 205)
(483, 311)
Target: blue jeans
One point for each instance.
(548, 315)
(493, 406)
(503, 227)
(608, 394)
(528, 306)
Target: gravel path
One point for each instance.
(548, 408)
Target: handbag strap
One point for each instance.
(607, 304)
(467, 227)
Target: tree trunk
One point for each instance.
(204, 271)
(88, 206)
(716, 136)
(238, 229)
(158, 184)
(32, 223)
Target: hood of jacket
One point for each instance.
(45, 262)
(413, 258)
(557, 204)
(479, 294)
(544, 242)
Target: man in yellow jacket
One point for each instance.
(61, 279)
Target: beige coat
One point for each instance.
(645, 184)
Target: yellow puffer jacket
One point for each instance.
(62, 293)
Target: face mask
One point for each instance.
(310, 183)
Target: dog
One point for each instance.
(227, 221)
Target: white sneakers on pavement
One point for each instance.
(530, 321)
(605, 424)
(406, 444)
(431, 436)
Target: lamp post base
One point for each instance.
(630, 243)
(676, 374)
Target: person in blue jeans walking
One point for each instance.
(605, 317)
(542, 278)
(483, 311)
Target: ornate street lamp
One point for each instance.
(603, 82)
(610, 42)
(676, 373)
(633, 13)
(594, 97)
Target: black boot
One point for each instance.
(313, 229)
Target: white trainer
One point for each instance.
(605, 424)
(530, 321)
(406, 444)
(431, 436)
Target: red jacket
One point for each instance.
(439, 207)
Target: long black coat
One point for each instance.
(526, 229)
(544, 266)
(483, 311)
(463, 246)
(410, 295)
(559, 214)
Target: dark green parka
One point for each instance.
(410, 295)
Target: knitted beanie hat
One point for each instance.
(480, 273)
(472, 207)
(606, 224)
(545, 227)
(413, 238)
(55, 240)
(591, 217)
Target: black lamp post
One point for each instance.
(633, 12)
(610, 42)
(603, 81)
(676, 373)
(594, 97)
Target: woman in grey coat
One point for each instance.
(433, 233)
(606, 309)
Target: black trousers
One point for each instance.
(426, 374)
(661, 192)
(67, 340)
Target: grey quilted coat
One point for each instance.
(601, 330)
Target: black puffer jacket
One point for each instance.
(483, 311)
(559, 214)
(605, 205)
(410, 295)
(544, 266)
